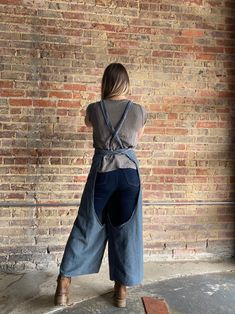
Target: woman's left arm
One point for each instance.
(87, 122)
(87, 117)
(140, 132)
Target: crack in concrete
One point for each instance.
(14, 282)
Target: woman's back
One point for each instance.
(135, 120)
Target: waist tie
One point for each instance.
(104, 152)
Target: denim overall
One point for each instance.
(87, 241)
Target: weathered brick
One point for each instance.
(180, 61)
(21, 102)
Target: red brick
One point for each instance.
(226, 218)
(182, 55)
(207, 93)
(76, 95)
(21, 161)
(69, 104)
(105, 27)
(183, 40)
(62, 112)
(6, 84)
(205, 56)
(163, 171)
(214, 49)
(207, 125)
(227, 94)
(128, 44)
(183, 73)
(155, 130)
(15, 196)
(176, 131)
(44, 103)
(11, 93)
(181, 171)
(58, 94)
(172, 116)
(70, 15)
(196, 2)
(192, 48)
(155, 305)
(193, 32)
(200, 172)
(51, 85)
(118, 51)
(227, 234)
(162, 54)
(75, 87)
(11, 2)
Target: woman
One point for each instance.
(110, 208)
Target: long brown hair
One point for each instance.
(115, 81)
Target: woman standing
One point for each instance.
(111, 204)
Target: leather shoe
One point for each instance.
(62, 291)
(119, 294)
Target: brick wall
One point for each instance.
(180, 57)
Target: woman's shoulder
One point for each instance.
(136, 106)
(140, 110)
(139, 107)
(92, 105)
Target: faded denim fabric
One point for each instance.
(87, 241)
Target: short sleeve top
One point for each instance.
(135, 120)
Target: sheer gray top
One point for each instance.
(135, 120)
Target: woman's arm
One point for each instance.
(140, 132)
(88, 117)
(144, 119)
(87, 122)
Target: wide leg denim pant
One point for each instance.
(87, 241)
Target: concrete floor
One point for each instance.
(32, 292)
(198, 294)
